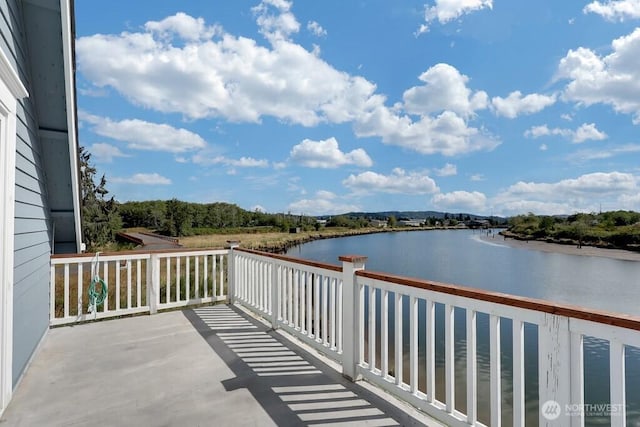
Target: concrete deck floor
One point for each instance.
(210, 366)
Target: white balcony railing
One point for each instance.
(299, 296)
(137, 282)
(307, 299)
(382, 328)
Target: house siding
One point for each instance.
(33, 230)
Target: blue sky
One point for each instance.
(324, 107)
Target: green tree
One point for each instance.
(100, 218)
(178, 218)
(546, 223)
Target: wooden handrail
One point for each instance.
(576, 312)
(316, 264)
(129, 237)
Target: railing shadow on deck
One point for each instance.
(293, 386)
(382, 328)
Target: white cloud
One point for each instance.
(447, 134)
(258, 208)
(613, 79)
(449, 10)
(326, 154)
(477, 177)
(567, 196)
(460, 200)
(615, 10)
(630, 201)
(105, 153)
(203, 158)
(247, 162)
(325, 194)
(293, 186)
(447, 170)
(184, 26)
(141, 135)
(586, 132)
(517, 207)
(598, 182)
(143, 179)
(424, 28)
(278, 26)
(225, 76)
(200, 75)
(445, 95)
(324, 203)
(445, 89)
(399, 182)
(316, 29)
(544, 130)
(515, 104)
(591, 154)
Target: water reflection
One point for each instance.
(459, 257)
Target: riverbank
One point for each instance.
(280, 242)
(537, 245)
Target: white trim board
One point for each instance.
(11, 88)
(66, 9)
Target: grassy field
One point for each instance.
(270, 241)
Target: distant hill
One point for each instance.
(417, 215)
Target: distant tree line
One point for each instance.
(177, 218)
(103, 217)
(614, 229)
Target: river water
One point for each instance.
(462, 257)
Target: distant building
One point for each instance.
(379, 223)
(411, 222)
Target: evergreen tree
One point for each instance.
(100, 218)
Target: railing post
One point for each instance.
(275, 295)
(352, 315)
(153, 283)
(554, 370)
(231, 272)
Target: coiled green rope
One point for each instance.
(96, 298)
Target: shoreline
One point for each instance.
(537, 245)
(286, 241)
(281, 242)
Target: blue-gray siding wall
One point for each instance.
(32, 222)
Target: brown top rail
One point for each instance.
(576, 312)
(130, 237)
(293, 259)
